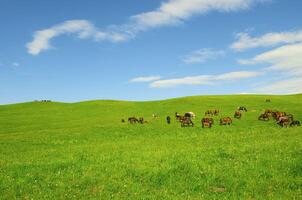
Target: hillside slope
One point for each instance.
(82, 150)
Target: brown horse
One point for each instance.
(226, 121)
(207, 122)
(284, 121)
(237, 115)
(268, 112)
(263, 117)
(186, 122)
(212, 112)
(133, 120)
(278, 114)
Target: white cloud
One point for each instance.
(245, 41)
(237, 75)
(202, 55)
(83, 28)
(285, 63)
(170, 12)
(176, 11)
(286, 59)
(145, 79)
(204, 79)
(287, 86)
(189, 80)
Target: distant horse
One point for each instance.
(242, 108)
(237, 115)
(226, 121)
(207, 122)
(295, 123)
(133, 120)
(284, 121)
(212, 112)
(263, 117)
(168, 119)
(186, 122)
(190, 115)
(155, 116)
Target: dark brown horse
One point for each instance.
(263, 117)
(133, 120)
(186, 122)
(242, 108)
(295, 123)
(207, 122)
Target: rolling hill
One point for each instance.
(82, 150)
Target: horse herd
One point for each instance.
(282, 118)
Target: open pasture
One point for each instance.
(83, 150)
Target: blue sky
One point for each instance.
(76, 50)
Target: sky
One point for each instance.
(76, 50)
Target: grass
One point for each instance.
(83, 151)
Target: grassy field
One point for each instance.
(83, 151)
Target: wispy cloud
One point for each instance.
(245, 41)
(177, 11)
(82, 28)
(284, 61)
(15, 64)
(171, 12)
(202, 55)
(286, 86)
(204, 79)
(145, 79)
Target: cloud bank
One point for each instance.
(169, 13)
(245, 41)
(204, 79)
(284, 60)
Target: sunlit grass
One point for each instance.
(83, 151)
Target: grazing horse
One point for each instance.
(177, 116)
(278, 114)
(168, 118)
(263, 117)
(284, 121)
(290, 117)
(155, 116)
(133, 120)
(186, 122)
(207, 122)
(268, 112)
(212, 112)
(226, 121)
(295, 123)
(190, 115)
(141, 120)
(242, 108)
(237, 115)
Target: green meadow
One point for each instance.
(82, 150)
